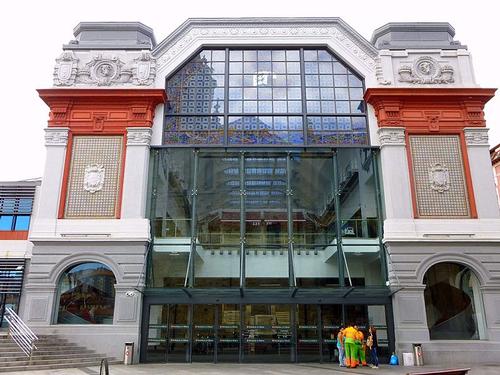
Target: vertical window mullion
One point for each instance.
(226, 97)
(289, 192)
(242, 221)
(338, 221)
(303, 96)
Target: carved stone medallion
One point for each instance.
(426, 70)
(439, 178)
(93, 179)
(104, 71)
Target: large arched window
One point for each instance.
(86, 295)
(453, 303)
(279, 97)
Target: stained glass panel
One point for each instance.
(213, 96)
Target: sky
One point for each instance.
(32, 34)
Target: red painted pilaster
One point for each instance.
(99, 112)
(432, 111)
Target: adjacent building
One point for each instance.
(17, 200)
(242, 189)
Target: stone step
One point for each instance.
(14, 347)
(50, 361)
(15, 353)
(52, 353)
(55, 366)
(38, 356)
(42, 341)
(39, 342)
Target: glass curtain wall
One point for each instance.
(270, 97)
(360, 218)
(255, 219)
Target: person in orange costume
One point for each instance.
(350, 334)
(360, 342)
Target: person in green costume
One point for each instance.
(350, 346)
(360, 342)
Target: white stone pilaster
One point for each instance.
(395, 176)
(136, 173)
(56, 141)
(483, 180)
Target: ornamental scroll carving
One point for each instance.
(426, 70)
(341, 35)
(144, 70)
(66, 69)
(139, 136)
(476, 137)
(379, 73)
(391, 136)
(56, 136)
(93, 180)
(105, 70)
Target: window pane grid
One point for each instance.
(231, 85)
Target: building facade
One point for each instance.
(242, 189)
(17, 200)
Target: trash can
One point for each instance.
(418, 354)
(128, 354)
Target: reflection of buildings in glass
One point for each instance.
(192, 89)
(86, 295)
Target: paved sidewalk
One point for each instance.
(253, 369)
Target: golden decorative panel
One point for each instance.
(94, 177)
(439, 177)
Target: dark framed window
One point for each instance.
(459, 315)
(14, 222)
(86, 295)
(273, 97)
(15, 213)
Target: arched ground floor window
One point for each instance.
(453, 303)
(86, 295)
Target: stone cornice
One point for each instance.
(102, 110)
(429, 110)
(240, 29)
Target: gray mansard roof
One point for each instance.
(135, 35)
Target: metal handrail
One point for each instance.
(104, 369)
(22, 335)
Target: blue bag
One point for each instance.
(394, 360)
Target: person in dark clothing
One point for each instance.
(372, 343)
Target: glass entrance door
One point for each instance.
(204, 333)
(259, 333)
(178, 333)
(308, 333)
(331, 322)
(267, 334)
(228, 336)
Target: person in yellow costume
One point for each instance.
(361, 346)
(350, 334)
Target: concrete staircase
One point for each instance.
(53, 352)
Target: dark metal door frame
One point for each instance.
(241, 359)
